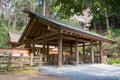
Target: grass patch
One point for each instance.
(20, 72)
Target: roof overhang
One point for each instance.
(42, 21)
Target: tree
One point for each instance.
(84, 19)
(3, 34)
(100, 8)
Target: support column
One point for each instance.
(33, 48)
(91, 52)
(48, 53)
(60, 50)
(83, 52)
(70, 57)
(43, 50)
(100, 52)
(77, 51)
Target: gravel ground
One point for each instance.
(84, 71)
(39, 76)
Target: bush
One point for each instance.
(113, 61)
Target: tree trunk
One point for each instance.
(0, 8)
(99, 28)
(107, 23)
(94, 26)
(44, 7)
(14, 26)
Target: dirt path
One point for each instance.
(38, 76)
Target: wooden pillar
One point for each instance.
(91, 52)
(60, 50)
(31, 59)
(40, 60)
(83, 52)
(71, 49)
(33, 47)
(70, 57)
(44, 42)
(47, 52)
(77, 51)
(43, 50)
(100, 52)
(21, 60)
(9, 61)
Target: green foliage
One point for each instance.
(3, 34)
(87, 49)
(115, 54)
(115, 32)
(70, 22)
(113, 61)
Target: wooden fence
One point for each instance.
(9, 62)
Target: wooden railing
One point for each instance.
(9, 62)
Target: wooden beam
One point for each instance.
(27, 30)
(83, 40)
(48, 23)
(71, 37)
(88, 44)
(100, 52)
(91, 52)
(68, 38)
(77, 51)
(60, 50)
(46, 35)
(52, 38)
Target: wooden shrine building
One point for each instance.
(48, 32)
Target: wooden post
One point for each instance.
(9, 61)
(70, 56)
(77, 51)
(47, 53)
(100, 52)
(31, 59)
(33, 48)
(60, 50)
(40, 62)
(44, 42)
(21, 60)
(83, 52)
(91, 52)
